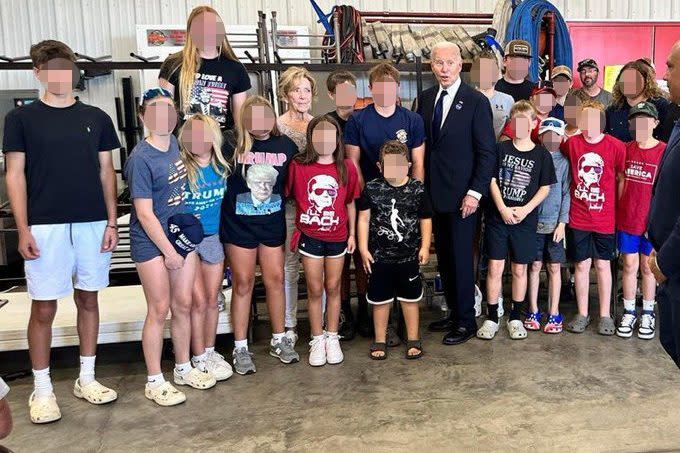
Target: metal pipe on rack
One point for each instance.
(336, 31)
(250, 67)
(409, 14)
(430, 21)
(551, 37)
(268, 89)
(274, 32)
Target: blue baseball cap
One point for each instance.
(154, 92)
(185, 232)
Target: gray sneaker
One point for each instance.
(243, 363)
(284, 351)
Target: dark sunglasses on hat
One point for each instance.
(552, 123)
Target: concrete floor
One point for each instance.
(548, 393)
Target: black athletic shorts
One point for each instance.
(316, 248)
(582, 245)
(390, 280)
(548, 250)
(517, 240)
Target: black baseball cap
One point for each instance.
(185, 232)
(587, 63)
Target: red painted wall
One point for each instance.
(616, 43)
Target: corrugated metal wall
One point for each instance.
(101, 27)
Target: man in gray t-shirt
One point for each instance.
(589, 73)
(484, 74)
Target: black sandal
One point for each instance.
(378, 347)
(414, 344)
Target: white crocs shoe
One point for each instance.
(94, 392)
(218, 366)
(43, 409)
(478, 302)
(516, 329)
(195, 378)
(165, 395)
(334, 353)
(488, 330)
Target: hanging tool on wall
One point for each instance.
(349, 34)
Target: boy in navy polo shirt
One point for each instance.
(370, 127)
(384, 120)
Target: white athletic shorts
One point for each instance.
(70, 257)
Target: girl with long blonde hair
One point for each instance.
(201, 152)
(206, 76)
(253, 225)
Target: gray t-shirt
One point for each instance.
(501, 103)
(604, 97)
(160, 176)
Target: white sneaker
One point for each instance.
(218, 366)
(488, 330)
(501, 311)
(516, 329)
(647, 326)
(195, 378)
(626, 325)
(94, 392)
(317, 352)
(334, 353)
(292, 335)
(478, 302)
(43, 409)
(165, 394)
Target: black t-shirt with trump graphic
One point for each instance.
(216, 81)
(394, 229)
(519, 176)
(253, 207)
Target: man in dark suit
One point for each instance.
(459, 163)
(664, 226)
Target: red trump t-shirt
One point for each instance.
(640, 173)
(594, 167)
(321, 199)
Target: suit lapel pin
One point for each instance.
(459, 105)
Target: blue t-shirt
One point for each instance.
(557, 112)
(206, 201)
(160, 176)
(368, 130)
